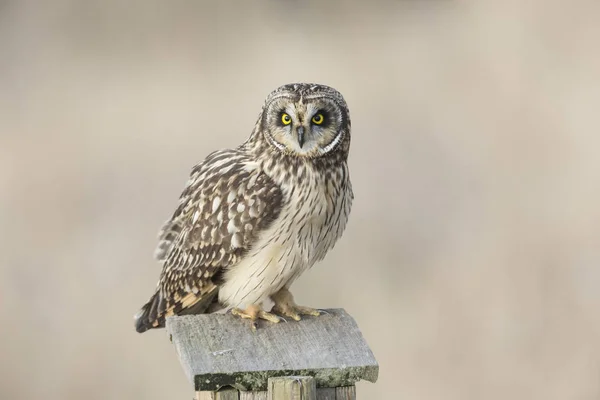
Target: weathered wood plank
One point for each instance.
(217, 350)
(326, 394)
(292, 388)
(345, 393)
(231, 394)
(206, 395)
(253, 395)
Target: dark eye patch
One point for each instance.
(280, 118)
(326, 118)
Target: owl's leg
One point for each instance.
(285, 305)
(255, 312)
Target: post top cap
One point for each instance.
(218, 350)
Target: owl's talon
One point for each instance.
(287, 311)
(240, 313)
(255, 312)
(269, 317)
(285, 305)
(307, 311)
(282, 318)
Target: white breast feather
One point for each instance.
(293, 243)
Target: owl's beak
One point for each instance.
(300, 132)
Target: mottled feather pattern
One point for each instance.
(225, 204)
(314, 215)
(167, 235)
(252, 219)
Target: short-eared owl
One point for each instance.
(252, 219)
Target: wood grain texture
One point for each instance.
(231, 394)
(292, 388)
(217, 350)
(345, 393)
(253, 395)
(326, 394)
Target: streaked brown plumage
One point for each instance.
(252, 219)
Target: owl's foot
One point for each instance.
(255, 312)
(285, 305)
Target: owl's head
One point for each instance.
(306, 120)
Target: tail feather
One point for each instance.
(154, 313)
(151, 315)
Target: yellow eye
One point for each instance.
(286, 119)
(318, 119)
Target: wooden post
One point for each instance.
(292, 388)
(318, 358)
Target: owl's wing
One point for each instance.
(171, 229)
(227, 202)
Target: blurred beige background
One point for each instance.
(471, 261)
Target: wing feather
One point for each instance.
(225, 205)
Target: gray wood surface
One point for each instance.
(253, 395)
(341, 393)
(292, 388)
(217, 350)
(326, 394)
(232, 394)
(345, 393)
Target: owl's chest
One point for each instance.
(312, 219)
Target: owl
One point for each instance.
(252, 219)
